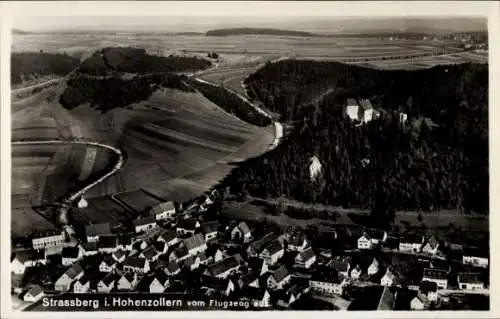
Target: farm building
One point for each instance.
(296, 241)
(179, 254)
(48, 239)
(93, 231)
(470, 281)
(164, 210)
(168, 236)
(256, 247)
(89, 249)
(107, 244)
(342, 264)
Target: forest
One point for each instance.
(136, 60)
(257, 31)
(34, 64)
(108, 93)
(436, 159)
(231, 103)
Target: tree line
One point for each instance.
(33, 64)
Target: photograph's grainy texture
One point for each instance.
(279, 164)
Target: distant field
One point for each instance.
(138, 200)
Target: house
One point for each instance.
(172, 269)
(119, 255)
(163, 211)
(203, 259)
(88, 249)
(272, 253)
(195, 244)
(342, 264)
(125, 242)
(364, 242)
(410, 242)
(223, 268)
(356, 272)
(390, 278)
(82, 285)
(107, 264)
(209, 230)
(373, 268)
(218, 255)
(228, 287)
(327, 281)
(475, 257)
(136, 265)
(191, 263)
(278, 278)
(94, 231)
(71, 255)
(256, 247)
(150, 253)
(179, 254)
(241, 232)
(160, 246)
(376, 236)
(145, 224)
(107, 244)
(25, 259)
(438, 276)
(352, 109)
(127, 282)
(369, 113)
(159, 283)
(306, 258)
(64, 282)
(431, 245)
(257, 266)
(34, 294)
(259, 297)
(418, 302)
(169, 237)
(387, 299)
(187, 226)
(106, 284)
(296, 241)
(470, 281)
(429, 289)
(48, 239)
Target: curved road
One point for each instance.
(76, 195)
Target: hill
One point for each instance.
(257, 31)
(437, 160)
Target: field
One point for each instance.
(138, 201)
(103, 209)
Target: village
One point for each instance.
(196, 252)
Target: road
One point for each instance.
(72, 197)
(35, 86)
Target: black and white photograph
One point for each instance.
(262, 158)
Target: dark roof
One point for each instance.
(341, 263)
(161, 276)
(471, 278)
(167, 234)
(255, 264)
(150, 252)
(160, 208)
(307, 254)
(159, 246)
(274, 247)
(411, 238)
(107, 241)
(351, 102)
(296, 238)
(387, 298)
(172, 267)
(244, 228)
(259, 245)
(435, 273)
(135, 262)
(428, 286)
(280, 273)
(475, 252)
(35, 290)
(47, 233)
(223, 266)
(194, 241)
(145, 221)
(90, 246)
(70, 252)
(108, 260)
(209, 228)
(119, 253)
(181, 251)
(84, 279)
(432, 241)
(98, 229)
(125, 239)
(188, 261)
(25, 255)
(73, 271)
(366, 104)
(375, 233)
(188, 223)
(253, 293)
(325, 274)
(108, 279)
(129, 276)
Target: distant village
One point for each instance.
(176, 249)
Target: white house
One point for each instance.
(125, 242)
(272, 253)
(352, 109)
(327, 281)
(94, 231)
(150, 254)
(306, 258)
(34, 294)
(48, 239)
(73, 273)
(209, 230)
(106, 284)
(71, 255)
(470, 281)
(187, 226)
(296, 241)
(223, 268)
(438, 276)
(369, 113)
(431, 245)
(403, 117)
(159, 283)
(364, 242)
(390, 278)
(172, 269)
(136, 265)
(418, 302)
(411, 242)
(145, 224)
(475, 257)
(373, 268)
(356, 272)
(82, 285)
(163, 211)
(241, 232)
(107, 264)
(278, 278)
(127, 282)
(25, 259)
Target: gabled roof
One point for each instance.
(274, 247)
(374, 262)
(386, 301)
(296, 238)
(435, 273)
(108, 279)
(135, 262)
(181, 251)
(35, 290)
(432, 242)
(375, 233)
(160, 208)
(70, 252)
(150, 252)
(365, 104)
(222, 266)
(145, 221)
(172, 267)
(47, 233)
(244, 228)
(108, 260)
(259, 245)
(98, 229)
(351, 102)
(90, 246)
(470, 278)
(255, 264)
(125, 239)
(167, 234)
(74, 271)
(162, 277)
(307, 254)
(107, 241)
(280, 273)
(194, 241)
(189, 223)
(159, 246)
(84, 279)
(188, 262)
(23, 256)
(119, 253)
